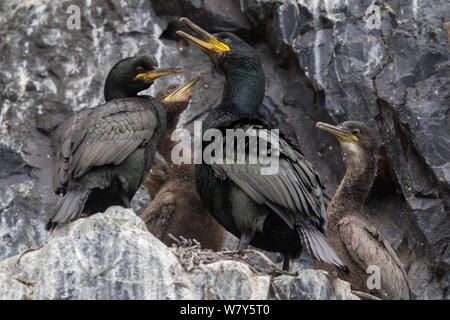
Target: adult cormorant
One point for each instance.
(359, 243)
(176, 207)
(103, 154)
(283, 211)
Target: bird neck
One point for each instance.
(116, 90)
(354, 187)
(242, 96)
(167, 145)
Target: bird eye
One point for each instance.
(227, 41)
(140, 70)
(355, 132)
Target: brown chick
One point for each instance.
(176, 207)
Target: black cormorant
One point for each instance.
(359, 243)
(103, 154)
(281, 212)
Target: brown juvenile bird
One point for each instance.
(176, 207)
(358, 242)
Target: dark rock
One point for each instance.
(13, 163)
(218, 15)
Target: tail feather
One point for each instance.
(69, 208)
(317, 246)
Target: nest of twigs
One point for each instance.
(192, 256)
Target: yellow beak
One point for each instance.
(210, 44)
(339, 132)
(155, 74)
(182, 89)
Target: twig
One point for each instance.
(364, 295)
(23, 253)
(174, 238)
(187, 243)
(264, 257)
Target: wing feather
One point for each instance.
(61, 144)
(367, 248)
(105, 135)
(295, 190)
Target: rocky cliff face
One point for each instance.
(324, 61)
(111, 255)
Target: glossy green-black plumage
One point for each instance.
(282, 212)
(103, 154)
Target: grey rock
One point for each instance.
(140, 201)
(305, 287)
(217, 14)
(396, 79)
(111, 255)
(322, 63)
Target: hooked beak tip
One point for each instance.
(209, 43)
(338, 132)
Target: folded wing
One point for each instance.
(106, 135)
(294, 191)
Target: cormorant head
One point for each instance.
(132, 75)
(175, 99)
(228, 51)
(356, 139)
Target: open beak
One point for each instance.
(182, 89)
(209, 44)
(155, 74)
(339, 132)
